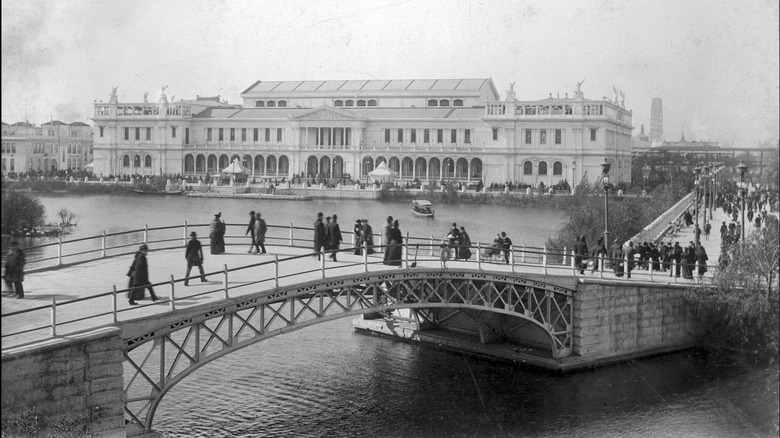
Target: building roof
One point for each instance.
(369, 113)
(25, 124)
(78, 124)
(54, 122)
(369, 87)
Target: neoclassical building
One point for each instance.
(47, 148)
(438, 129)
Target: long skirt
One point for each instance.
(393, 255)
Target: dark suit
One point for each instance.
(319, 236)
(334, 238)
(194, 256)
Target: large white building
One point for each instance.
(438, 129)
(47, 148)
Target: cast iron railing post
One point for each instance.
(225, 280)
(103, 246)
(114, 304)
(53, 317)
(276, 270)
(173, 298)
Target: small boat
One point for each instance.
(160, 192)
(422, 208)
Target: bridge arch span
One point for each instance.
(161, 351)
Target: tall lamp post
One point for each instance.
(742, 168)
(605, 181)
(697, 172)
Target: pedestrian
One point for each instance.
(386, 232)
(217, 234)
(697, 233)
(14, 269)
(580, 253)
(357, 231)
(707, 230)
(453, 237)
(465, 244)
(677, 257)
(701, 259)
(613, 253)
(395, 246)
(334, 237)
(259, 231)
(319, 235)
(506, 244)
(251, 229)
(630, 259)
(596, 253)
(723, 230)
(368, 236)
(618, 264)
(194, 256)
(139, 276)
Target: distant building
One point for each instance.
(47, 148)
(657, 120)
(427, 130)
(640, 143)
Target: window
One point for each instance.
(439, 136)
(557, 168)
(372, 102)
(208, 134)
(457, 102)
(400, 136)
(349, 103)
(271, 104)
(338, 103)
(282, 104)
(74, 133)
(148, 161)
(413, 136)
(127, 133)
(444, 102)
(453, 135)
(558, 134)
(148, 134)
(279, 135)
(232, 134)
(221, 134)
(186, 135)
(433, 102)
(387, 136)
(255, 134)
(243, 134)
(101, 130)
(543, 136)
(260, 104)
(467, 136)
(267, 135)
(137, 133)
(495, 133)
(173, 132)
(542, 168)
(592, 134)
(426, 136)
(528, 168)
(528, 136)
(51, 133)
(361, 103)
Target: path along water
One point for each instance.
(328, 381)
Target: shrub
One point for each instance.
(21, 211)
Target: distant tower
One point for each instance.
(657, 120)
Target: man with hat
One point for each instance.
(319, 235)
(251, 229)
(334, 237)
(386, 233)
(260, 230)
(217, 234)
(139, 276)
(14, 269)
(194, 256)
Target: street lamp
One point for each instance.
(697, 172)
(708, 195)
(742, 168)
(605, 181)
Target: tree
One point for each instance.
(21, 212)
(741, 307)
(66, 216)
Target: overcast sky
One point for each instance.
(714, 62)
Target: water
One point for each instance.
(327, 381)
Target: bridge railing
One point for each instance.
(287, 270)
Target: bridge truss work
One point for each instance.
(160, 351)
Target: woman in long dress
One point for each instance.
(686, 267)
(394, 253)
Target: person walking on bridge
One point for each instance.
(334, 237)
(194, 256)
(14, 269)
(251, 229)
(506, 245)
(319, 235)
(139, 276)
(580, 252)
(260, 229)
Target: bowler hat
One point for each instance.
(218, 214)
(252, 212)
(389, 218)
(143, 247)
(335, 217)
(194, 234)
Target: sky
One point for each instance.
(715, 63)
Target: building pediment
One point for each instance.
(328, 113)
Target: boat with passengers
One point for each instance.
(422, 208)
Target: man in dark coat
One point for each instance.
(507, 245)
(676, 259)
(614, 258)
(260, 229)
(194, 256)
(139, 276)
(217, 234)
(334, 237)
(251, 229)
(454, 237)
(14, 269)
(701, 258)
(386, 233)
(319, 235)
(630, 257)
(580, 253)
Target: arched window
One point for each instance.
(407, 166)
(457, 102)
(476, 168)
(421, 168)
(148, 161)
(338, 167)
(448, 166)
(349, 103)
(270, 104)
(126, 161)
(325, 167)
(260, 104)
(395, 165)
(282, 104)
(462, 168)
(137, 161)
(284, 166)
(434, 168)
(444, 102)
(212, 164)
(361, 102)
(528, 168)
(200, 164)
(557, 168)
(338, 103)
(372, 102)
(433, 102)
(259, 165)
(270, 165)
(542, 168)
(368, 166)
(312, 166)
(380, 160)
(189, 164)
(224, 162)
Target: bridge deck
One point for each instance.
(99, 276)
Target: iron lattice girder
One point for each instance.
(201, 334)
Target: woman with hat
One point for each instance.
(194, 256)
(139, 276)
(217, 234)
(386, 233)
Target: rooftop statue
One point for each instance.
(623, 99)
(578, 92)
(113, 98)
(510, 93)
(146, 97)
(163, 97)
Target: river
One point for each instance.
(327, 381)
